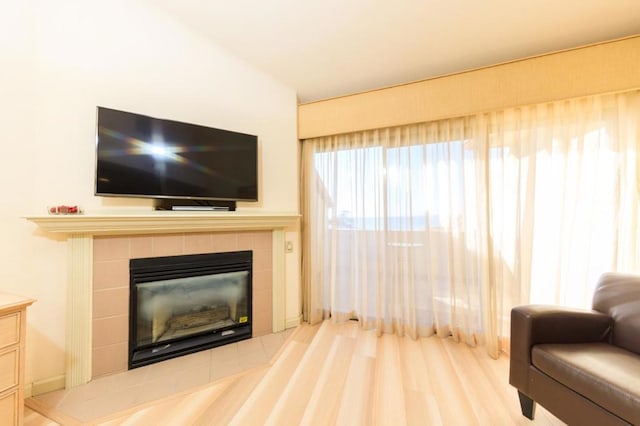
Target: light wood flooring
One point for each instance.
(340, 374)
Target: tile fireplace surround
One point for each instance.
(99, 249)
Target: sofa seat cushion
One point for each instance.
(605, 374)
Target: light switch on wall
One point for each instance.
(288, 247)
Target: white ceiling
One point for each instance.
(327, 48)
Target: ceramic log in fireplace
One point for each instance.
(184, 304)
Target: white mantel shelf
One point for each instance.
(163, 222)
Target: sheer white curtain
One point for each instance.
(442, 227)
(563, 192)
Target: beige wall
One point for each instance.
(61, 59)
(602, 68)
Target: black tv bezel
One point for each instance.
(171, 197)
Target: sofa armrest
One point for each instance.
(533, 324)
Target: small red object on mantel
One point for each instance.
(65, 210)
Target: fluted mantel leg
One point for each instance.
(79, 300)
(279, 278)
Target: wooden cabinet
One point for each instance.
(13, 310)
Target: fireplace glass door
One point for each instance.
(182, 304)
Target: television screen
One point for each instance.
(141, 156)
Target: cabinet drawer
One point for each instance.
(9, 329)
(9, 363)
(9, 408)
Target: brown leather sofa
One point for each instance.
(581, 365)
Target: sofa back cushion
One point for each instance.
(618, 295)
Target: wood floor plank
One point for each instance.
(420, 402)
(504, 396)
(450, 394)
(171, 410)
(305, 333)
(356, 404)
(480, 393)
(349, 329)
(150, 414)
(341, 374)
(257, 407)
(366, 343)
(389, 408)
(290, 408)
(33, 418)
(186, 410)
(222, 410)
(421, 408)
(324, 403)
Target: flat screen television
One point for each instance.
(142, 156)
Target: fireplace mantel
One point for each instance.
(80, 230)
(163, 222)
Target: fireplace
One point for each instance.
(184, 304)
(101, 245)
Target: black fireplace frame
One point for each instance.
(143, 270)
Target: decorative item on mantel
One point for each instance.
(63, 209)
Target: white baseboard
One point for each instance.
(293, 322)
(44, 386)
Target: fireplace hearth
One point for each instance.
(184, 304)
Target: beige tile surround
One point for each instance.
(111, 256)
